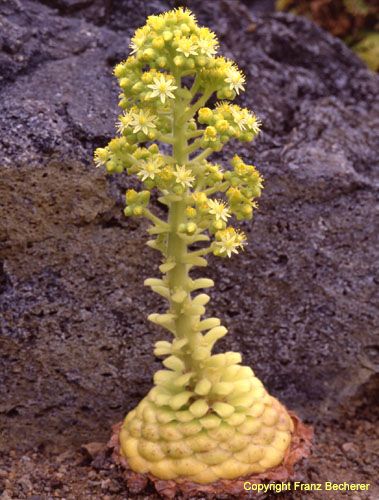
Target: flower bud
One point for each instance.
(201, 61)
(149, 54)
(191, 227)
(110, 166)
(167, 35)
(222, 125)
(147, 77)
(125, 83)
(158, 42)
(205, 115)
(256, 192)
(138, 211)
(131, 196)
(190, 212)
(162, 62)
(123, 104)
(138, 87)
(179, 61)
(247, 210)
(120, 70)
(128, 211)
(144, 197)
(190, 63)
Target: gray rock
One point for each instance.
(300, 303)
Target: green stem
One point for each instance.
(157, 221)
(178, 277)
(202, 156)
(166, 138)
(218, 187)
(198, 104)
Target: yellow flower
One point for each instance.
(123, 122)
(235, 79)
(148, 169)
(183, 176)
(187, 46)
(219, 209)
(251, 121)
(230, 240)
(101, 156)
(207, 42)
(139, 38)
(156, 22)
(199, 197)
(162, 87)
(142, 120)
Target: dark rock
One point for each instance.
(300, 304)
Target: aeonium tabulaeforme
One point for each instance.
(207, 417)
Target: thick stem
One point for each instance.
(178, 277)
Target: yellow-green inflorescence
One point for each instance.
(207, 416)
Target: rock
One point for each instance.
(350, 451)
(93, 449)
(300, 303)
(114, 486)
(25, 484)
(5, 495)
(3, 474)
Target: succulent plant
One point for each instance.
(207, 416)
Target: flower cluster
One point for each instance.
(228, 121)
(159, 108)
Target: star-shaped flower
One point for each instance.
(149, 169)
(143, 120)
(218, 209)
(139, 39)
(251, 121)
(207, 42)
(230, 240)
(162, 87)
(235, 79)
(123, 122)
(187, 47)
(183, 176)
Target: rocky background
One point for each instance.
(301, 303)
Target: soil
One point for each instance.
(345, 450)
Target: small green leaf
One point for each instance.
(202, 283)
(203, 387)
(201, 299)
(179, 296)
(167, 266)
(162, 290)
(223, 388)
(214, 334)
(223, 409)
(199, 408)
(183, 380)
(174, 363)
(154, 282)
(208, 323)
(179, 400)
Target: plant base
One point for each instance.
(299, 449)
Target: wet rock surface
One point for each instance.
(300, 303)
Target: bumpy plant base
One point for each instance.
(299, 449)
(216, 437)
